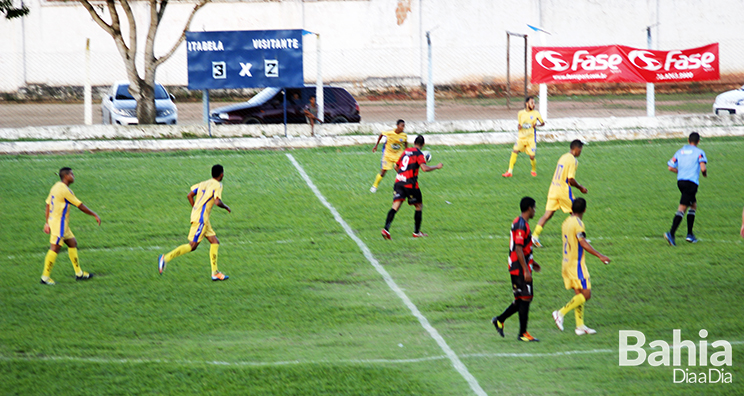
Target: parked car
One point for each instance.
(266, 107)
(119, 107)
(730, 102)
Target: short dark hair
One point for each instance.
(64, 172)
(399, 122)
(577, 144)
(526, 203)
(578, 206)
(419, 140)
(217, 170)
(527, 99)
(694, 138)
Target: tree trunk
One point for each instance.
(146, 111)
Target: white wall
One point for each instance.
(361, 39)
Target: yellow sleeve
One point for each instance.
(571, 168)
(70, 197)
(539, 117)
(218, 191)
(579, 231)
(194, 188)
(49, 198)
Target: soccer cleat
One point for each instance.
(536, 241)
(507, 174)
(533, 173)
(558, 317)
(161, 264)
(49, 282)
(419, 234)
(499, 326)
(373, 189)
(219, 276)
(386, 234)
(691, 238)
(670, 238)
(585, 330)
(84, 276)
(526, 337)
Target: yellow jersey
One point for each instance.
(59, 200)
(566, 169)
(207, 192)
(574, 257)
(528, 119)
(395, 144)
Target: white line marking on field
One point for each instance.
(458, 365)
(295, 362)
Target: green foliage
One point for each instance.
(11, 11)
(304, 312)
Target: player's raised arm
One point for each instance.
(374, 149)
(427, 168)
(222, 205)
(87, 211)
(191, 196)
(47, 229)
(573, 182)
(584, 244)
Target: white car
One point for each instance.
(118, 107)
(730, 102)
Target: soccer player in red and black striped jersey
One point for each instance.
(521, 265)
(406, 185)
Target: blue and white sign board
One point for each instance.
(244, 59)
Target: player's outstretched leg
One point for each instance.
(179, 251)
(498, 321)
(388, 223)
(49, 260)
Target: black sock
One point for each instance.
(417, 221)
(509, 311)
(524, 315)
(690, 220)
(676, 222)
(390, 217)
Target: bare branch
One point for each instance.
(97, 18)
(115, 23)
(180, 40)
(132, 27)
(161, 11)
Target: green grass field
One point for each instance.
(304, 311)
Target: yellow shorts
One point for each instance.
(576, 277)
(200, 230)
(526, 146)
(562, 202)
(388, 162)
(54, 235)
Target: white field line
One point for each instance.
(313, 362)
(456, 363)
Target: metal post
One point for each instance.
(525, 65)
(23, 40)
(650, 95)
(319, 86)
(284, 105)
(430, 83)
(508, 82)
(87, 96)
(205, 110)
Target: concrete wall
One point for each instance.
(362, 40)
(161, 137)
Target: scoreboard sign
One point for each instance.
(244, 59)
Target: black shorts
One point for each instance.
(522, 290)
(688, 190)
(401, 193)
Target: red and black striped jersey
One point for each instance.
(408, 167)
(520, 235)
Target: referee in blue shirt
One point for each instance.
(688, 162)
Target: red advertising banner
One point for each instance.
(618, 63)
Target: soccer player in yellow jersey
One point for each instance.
(202, 197)
(574, 270)
(57, 225)
(527, 140)
(396, 143)
(560, 194)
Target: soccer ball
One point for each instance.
(427, 155)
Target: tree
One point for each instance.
(11, 11)
(141, 86)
